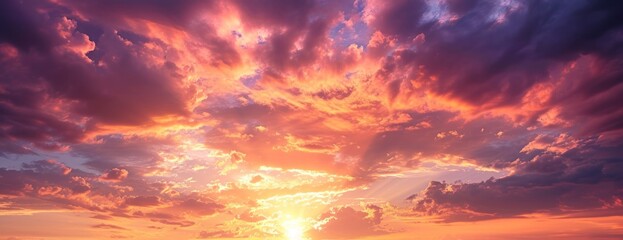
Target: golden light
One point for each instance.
(293, 229)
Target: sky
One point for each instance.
(327, 119)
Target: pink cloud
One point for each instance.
(115, 175)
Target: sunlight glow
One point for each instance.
(293, 229)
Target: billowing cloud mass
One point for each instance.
(345, 119)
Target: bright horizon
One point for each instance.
(292, 120)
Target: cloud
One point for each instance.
(134, 154)
(199, 207)
(279, 137)
(44, 176)
(215, 234)
(31, 36)
(115, 175)
(51, 185)
(256, 179)
(249, 216)
(348, 223)
(106, 88)
(143, 201)
(580, 179)
(165, 12)
(496, 52)
(23, 119)
(398, 18)
(108, 226)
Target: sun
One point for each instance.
(293, 229)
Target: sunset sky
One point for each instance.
(327, 119)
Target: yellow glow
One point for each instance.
(293, 229)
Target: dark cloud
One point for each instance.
(26, 124)
(134, 154)
(45, 72)
(592, 92)
(20, 26)
(586, 178)
(202, 35)
(282, 13)
(397, 18)
(122, 88)
(169, 12)
(115, 174)
(50, 185)
(461, 7)
(492, 55)
(34, 176)
(222, 51)
(290, 22)
(199, 207)
(127, 92)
